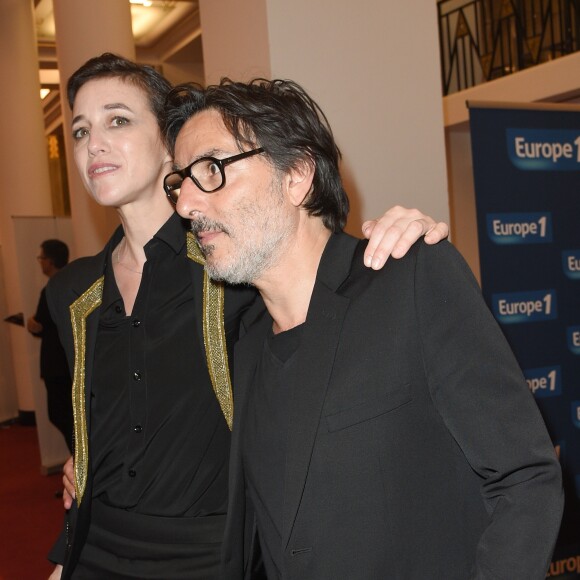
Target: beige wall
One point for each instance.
(235, 39)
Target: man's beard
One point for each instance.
(250, 259)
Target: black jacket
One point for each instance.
(74, 300)
(415, 449)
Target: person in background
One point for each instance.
(383, 428)
(149, 337)
(54, 369)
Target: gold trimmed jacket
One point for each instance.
(74, 297)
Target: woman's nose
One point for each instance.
(96, 143)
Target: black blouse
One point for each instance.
(159, 442)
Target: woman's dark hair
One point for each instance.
(57, 251)
(108, 65)
(279, 116)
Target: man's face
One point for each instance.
(242, 227)
(46, 264)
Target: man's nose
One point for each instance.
(191, 199)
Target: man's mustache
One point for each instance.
(203, 224)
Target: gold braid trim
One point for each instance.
(79, 311)
(214, 335)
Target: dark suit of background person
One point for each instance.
(88, 287)
(413, 447)
(53, 364)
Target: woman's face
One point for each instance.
(118, 148)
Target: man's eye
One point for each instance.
(120, 121)
(80, 133)
(213, 168)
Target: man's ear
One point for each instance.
(299, 181)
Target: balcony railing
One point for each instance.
(483, 40)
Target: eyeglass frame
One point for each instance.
(221, 163)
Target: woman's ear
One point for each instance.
(299, 181)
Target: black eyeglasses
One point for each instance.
(206, 172)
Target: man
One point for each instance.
(53, 366)
(383, 428)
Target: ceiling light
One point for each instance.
(44, 92)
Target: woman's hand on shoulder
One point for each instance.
(396, 231)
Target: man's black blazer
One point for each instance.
(415, 449)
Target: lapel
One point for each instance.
(247, 354)
(84, 317)
(209, 300)
(195, 260)
(313, 369)
(236, 551)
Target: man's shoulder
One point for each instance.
(421, 264)
(420, 253)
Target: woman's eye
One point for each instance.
(80, 133)
(120, 121)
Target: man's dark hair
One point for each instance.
(279, 116)
(57, 251)
(108, 65)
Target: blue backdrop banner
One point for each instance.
(526, 166)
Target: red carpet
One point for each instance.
(30, 515)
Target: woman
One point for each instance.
(149, 353)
